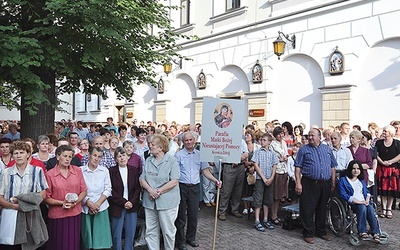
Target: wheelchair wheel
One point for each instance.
(336, 216)
(384, 238)
(355, 240)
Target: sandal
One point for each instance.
(389, 216)
(364, 236)
(376, 238)
(383, 213)
(276, 221)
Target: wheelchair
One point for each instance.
(341, 219)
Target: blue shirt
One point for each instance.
(190, 166)
(316, 162)
(90, 136)
(12, 137)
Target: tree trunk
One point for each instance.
(43, 122)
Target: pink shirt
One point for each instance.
(59, 186)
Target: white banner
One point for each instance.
(221, 134)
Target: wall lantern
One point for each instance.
(168, 66)
(279, 44)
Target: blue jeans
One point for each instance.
(130, 229)
(365, 213)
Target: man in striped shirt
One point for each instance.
(315, 179)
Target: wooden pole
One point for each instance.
(217, 205)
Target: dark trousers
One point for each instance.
(313, 201)
(233, 178)
(188, 207)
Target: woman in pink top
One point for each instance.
(66, 190)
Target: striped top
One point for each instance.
(316, 162)
(13, 184)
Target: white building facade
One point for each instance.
(236, 34)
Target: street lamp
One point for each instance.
(279, 44)
(168, 66)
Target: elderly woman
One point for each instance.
(387, 173)
(124, 200)
(95, 230)
(161, 194)
(281, 177)
(83, 146)
(43, 149)
(67, 188)
(359, 153)
(21, 178)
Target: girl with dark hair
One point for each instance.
(298, 133)
(353, 189)
(288, 136)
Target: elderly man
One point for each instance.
(13, 133)
(189, 185)
(107, 160)
(342, 154)
(315, 179)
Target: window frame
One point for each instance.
(235, 4)
(185, 10)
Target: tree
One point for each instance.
(89, 43)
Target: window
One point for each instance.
(185, 10)
(232, 4)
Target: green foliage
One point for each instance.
(96, 43)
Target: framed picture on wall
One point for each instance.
(336, 62)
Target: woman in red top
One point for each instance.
(66, 190)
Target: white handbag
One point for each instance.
(7, 226)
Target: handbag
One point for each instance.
(7, 226)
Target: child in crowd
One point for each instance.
(293, 197)
(265, 161)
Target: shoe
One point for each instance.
(309, 240)
(192, 243)
(251, 210)
(268, 225)
(245, 211)
(259, 227)
(207, 204)
(383, 213)
(238, 215)
(276, 221)
(376, 238)
(222, 217)
(213, 204)
(389, 216)
(364, 236)
(326, 237)
(182, 247)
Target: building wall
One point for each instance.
(298, 87)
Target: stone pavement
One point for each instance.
(239, 233)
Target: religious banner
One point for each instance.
(222, 125)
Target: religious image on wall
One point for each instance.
(223, 115)
(336, 63)
(257, 73)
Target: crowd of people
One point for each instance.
(90, 181)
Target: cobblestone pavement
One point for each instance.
(239, 233)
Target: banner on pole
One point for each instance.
(222, 125)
